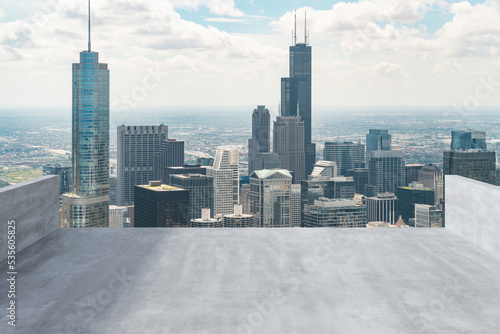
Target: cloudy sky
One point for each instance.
(206, 53)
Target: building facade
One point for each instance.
(386, 172)
(334, 213)
(474, 164)
(288, 143)
(347, 155)
(64, 172)
(270, 195)
(170, 153)
(136, 149)
(261, 136)
(409, 196)
(201, 192)
(225, 173)
(238, 219)
(296, 206)
(378, 140)
(432, 177)
(468, 140)
(382, 208)
(326, 169)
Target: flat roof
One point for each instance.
(163, 187)
(323, 280)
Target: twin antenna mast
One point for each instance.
(294, 31)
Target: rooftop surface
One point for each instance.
(255, 281)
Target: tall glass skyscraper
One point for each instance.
(88, 203)
(296, 95)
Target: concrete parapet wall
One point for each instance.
(34, 206)
(473, 212)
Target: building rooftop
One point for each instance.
(255, 280)
(160, 187)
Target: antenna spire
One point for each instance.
(305, 27)
(295, 29)
(89, 27)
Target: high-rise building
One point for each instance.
(88, 203)
(170, 153)
(205, 221)
(474, 164)
(136, 149)
(327, 212)
(238, 219)
(360, 176)
(201, 192)
(245, 198)
(112, 190)
(498, 176)
(261, 136)
(427, 216)
(296, 95)
(288, 143)
(347, 155)
(270, 192)
(415, 193)
(119, 216)
(225, 173)
(377, 140)
(160, 205)
(266, 160)
(64, 172)
(326, 169)
(468, 140)
(295, 206)
(382, 208)
(412, 172)
(432, 177)
(386, 172)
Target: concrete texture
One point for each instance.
(34, 206)
(255, 281)
(473, 212)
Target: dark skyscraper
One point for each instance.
(467, 140)
(347, 155)
(201, 192)
(88, 203)
(386, 172)
(296, 94)
(261, 136)
(474, 164)
(288, 143)
(170, 153)
(377, 140)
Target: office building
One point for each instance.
(205, 221)
(170, 153)
(360, 176)
(225, 173)
(266, 160)
(468, 140)
(386, 172)
(261, 136)
(327, 212)
(334, 188)
(326, 169)
(65, 175)
(88, 203)
(412, 172)
(497, 175)
(270, 192)
(347, 155)
(161, 205)
(427, 216)
(296, 96)
(288, 143)
(245, 198)
(238, 219)
(295, 206)
(474, 164)
(136, 149)
(119, 216)
(201, 191)
(186, 169)
(430, 176)
(382, 208)
(112, 190)
(377, 140)
(415, 193)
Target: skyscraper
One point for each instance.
(347, 155)
(378, 140)
(427, 216)
(474, 164)
(382, 208)
(288, 143)
(270, 192)
(170, 153)
(327, 212)
(201, 192)
(225, 173)
(468, 140)
(64, 172)
(386, 172)
(415, 193)
(432, 177)
(261, 135)
(137, 146)
(412, 172)
(296, 94)
(88, 203)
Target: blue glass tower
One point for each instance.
(88, 203)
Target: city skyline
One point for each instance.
(405, 54)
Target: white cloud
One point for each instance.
(217, 7)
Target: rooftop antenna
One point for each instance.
(295, 29)
(89, 26)
(305, 27)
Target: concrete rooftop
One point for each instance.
(255, 281)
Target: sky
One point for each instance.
(232, 53)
